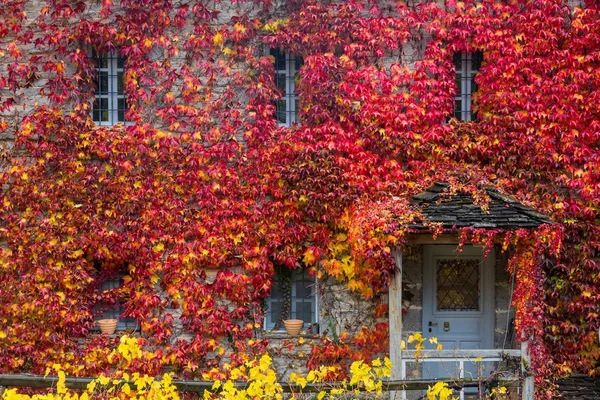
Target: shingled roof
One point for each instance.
(460, 211)
(579, 387)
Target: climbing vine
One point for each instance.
(201, 193)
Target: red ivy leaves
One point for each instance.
(204, 180)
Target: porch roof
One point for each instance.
(460, 211)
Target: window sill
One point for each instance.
(284, 335)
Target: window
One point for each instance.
(286, 73)
(109, 101)
(292, 297)
(114, 311)
(467, 65)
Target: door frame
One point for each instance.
(430, 252)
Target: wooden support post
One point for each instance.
(395, 322)
(528, 381)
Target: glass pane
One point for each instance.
(95, 111)
(102, 82)
(296, 110)
(279, 59)
(280, 82)
(474, 86)
(458, 284)
(120, 62)
(304, 311)
(280, 111)
(458, 109)
(122, 104)
(102, 61)
(477, 58)
(302, 291)
(457, 61)
(275, 311)
(459, 85)
(276, 290)
(103, 108)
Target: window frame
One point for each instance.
(291, 67)
(466, 76)
(269, 324)
(114, 72)
(115, 311)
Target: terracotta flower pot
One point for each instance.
(293, 326)
(107, 325)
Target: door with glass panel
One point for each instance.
(458, 303)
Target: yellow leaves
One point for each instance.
(298, 380)
(237, 239)
(439, 391)
(418, 341)
(309, 257)
(275, 25)
(218, 39)
(239, 28)
(341, 237)
(61, 296)
(128, 348)
(265, 362)
(75, 254)
(158, 248)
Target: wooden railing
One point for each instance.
(458, 360)
(397, 387)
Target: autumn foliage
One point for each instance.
(204, 181)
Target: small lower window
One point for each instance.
(293, 296)
(111, 310)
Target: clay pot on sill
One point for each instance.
(293, 326)
(107, 325)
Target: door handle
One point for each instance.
(432, 324)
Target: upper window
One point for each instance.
(114, 311)
(292, 297)
(109, 101)
(286, 73)
(467, 65)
